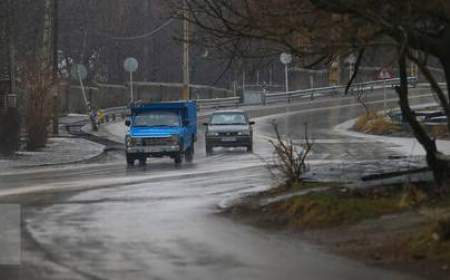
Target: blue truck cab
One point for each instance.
(161, 130)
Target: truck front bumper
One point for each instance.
(153, 149)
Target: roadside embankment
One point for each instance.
(403, 227)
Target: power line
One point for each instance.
(138, 37)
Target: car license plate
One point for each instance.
(229, 139)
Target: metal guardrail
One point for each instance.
(121, 112)
(112, 114)
(270, 98)
(218, 102)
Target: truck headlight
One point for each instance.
(132, 141)
(213, 133)
(244, 133)
(173, 140)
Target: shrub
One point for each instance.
(439, 131)
(375, 124)
(290, 159)
(38, 107)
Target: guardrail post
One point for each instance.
(264, 96)
(312, 95)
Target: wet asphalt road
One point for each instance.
(160, 222)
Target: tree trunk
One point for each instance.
(446, 65)
(438, 163)
(47, 36)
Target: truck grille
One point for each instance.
(159, 141)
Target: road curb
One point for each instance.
(80, 161)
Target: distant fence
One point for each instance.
(109, 95)
(8, 100)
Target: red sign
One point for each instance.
(385, 74)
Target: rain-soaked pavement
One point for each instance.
(160, 222)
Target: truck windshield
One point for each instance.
(229, 119)
(157, 118)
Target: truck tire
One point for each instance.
(189, 154)
(178, 158)
(130, 159)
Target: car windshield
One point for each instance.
(157, 119)
(228, 119)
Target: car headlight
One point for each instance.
(244, 133)
(213, 133)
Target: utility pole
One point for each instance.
(11, 48)
(243, 81)
(186, 93)
(55, 104)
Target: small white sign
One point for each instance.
(131, 64)
(286, 58)
(78, 71)
(351, 59)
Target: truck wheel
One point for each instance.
(130, 159)
(178, 158)
(189, 155)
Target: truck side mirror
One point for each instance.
(252, 123)
(127, 123)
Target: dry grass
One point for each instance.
(330, 209)
(374, 123)
(432, 242)
(440, 131)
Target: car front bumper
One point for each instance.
(232, 141)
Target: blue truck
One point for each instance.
(161, 130)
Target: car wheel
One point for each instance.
(189, 155)
(142, 161)
(250, 148)
(209, 149)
